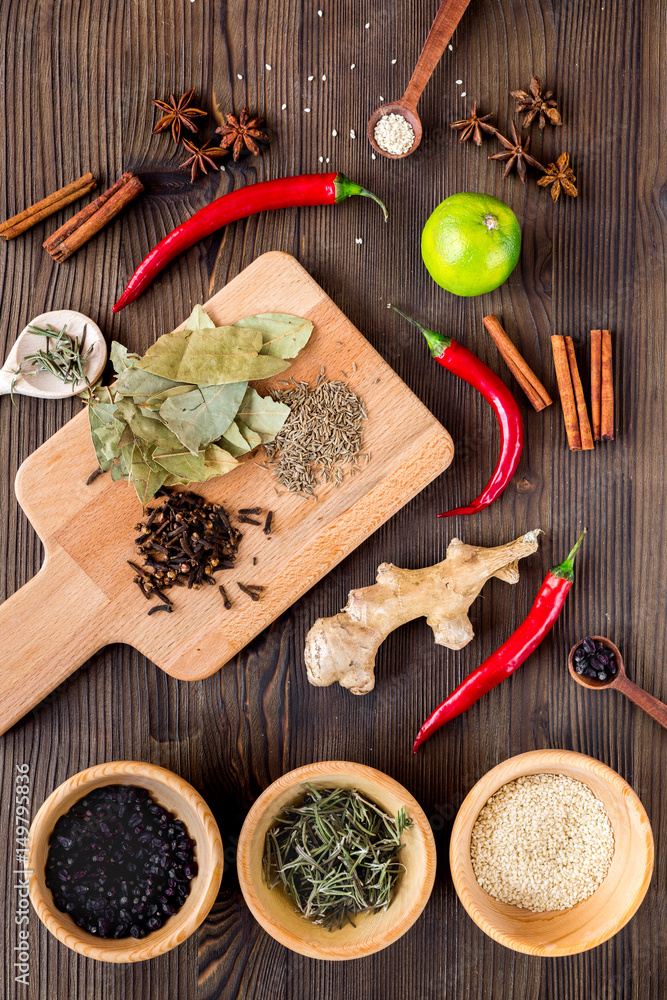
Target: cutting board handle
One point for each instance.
(47, 630)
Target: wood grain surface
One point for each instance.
(77, 77)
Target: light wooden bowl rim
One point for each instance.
(315, 942)
(585, 769)
(170, 791)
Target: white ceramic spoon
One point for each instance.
(44, 384)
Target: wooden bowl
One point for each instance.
(273, 909)
(594, 920)
(172, 793)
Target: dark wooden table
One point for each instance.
(77, 77)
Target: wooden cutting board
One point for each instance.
(84, 596)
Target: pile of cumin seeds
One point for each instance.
(322, 434)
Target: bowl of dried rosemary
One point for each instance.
(336, 860)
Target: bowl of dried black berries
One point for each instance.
(125, 861)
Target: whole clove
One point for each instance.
(267, 523)
(185, 541)
(93, 476)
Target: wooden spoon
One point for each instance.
(44, 384)
(442, 29)
(620, 682)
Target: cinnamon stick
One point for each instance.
(29, 217)
(596, 382)
(607, 401)
(585, 432)
(523, 373)
(566, 391)
(90, 220)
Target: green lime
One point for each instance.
(471, 243)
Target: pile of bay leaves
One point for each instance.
(185, 413)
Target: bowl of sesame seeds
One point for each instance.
(551, 853)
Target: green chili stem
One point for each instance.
(565, 571)
(437, 342)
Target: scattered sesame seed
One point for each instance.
(358, 239)
(451, 48)
(393, 62)
(307, 110)
(321, 159)
(268, 67)
(463, 94)
(373, 156)
(382, 98)
(323, 77)
(352, 65)
(239, 77)
(334, 133)
(367, 25)
(310, 79)
(353, 134)
(319, 13)
(458, 81)
(328, 159)
(283, 107)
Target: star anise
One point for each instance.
(178, 113)
(537, 103)
(560, 175)
(516, 155)
(472, 126)
(240, 132)
(200, 157)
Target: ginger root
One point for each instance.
(343, 648)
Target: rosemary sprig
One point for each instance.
(335, 854)
(64, 359)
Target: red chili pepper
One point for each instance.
(541, 617)
(462, 362)
(286, 192)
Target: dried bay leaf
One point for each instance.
(183, 464)
(147, 427)
(218, 462)
(283, 335)
(252, 438)
(209, 355)
(234, 441)
(121, 358)
(106, 441)
(145, 475)
(199, 320)
(176, 481)
(184, 412)
(119, 469)
(262, 414)
(106, 426)
(202, 415)
(158, 399)
(141, 385)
